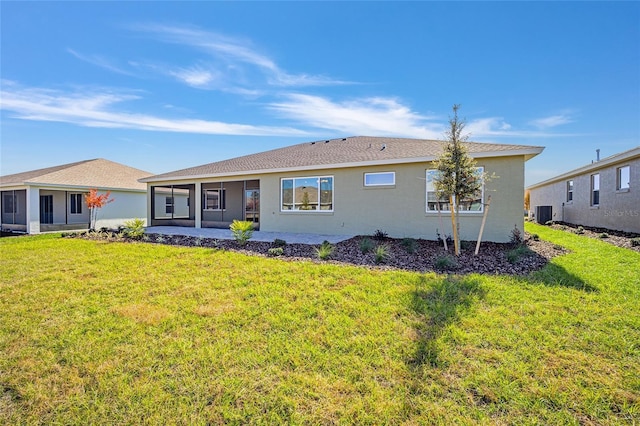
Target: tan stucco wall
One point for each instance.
(399, 211)
(618, 210)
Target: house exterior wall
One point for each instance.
(617, 210)
(126, 205)
(399, 210)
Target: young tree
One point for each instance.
(458, 177)
(95, 202)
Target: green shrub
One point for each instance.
(279, 243)
(518, 253)
(382, 253)
(604, 235)
(134, 228)
(160, 239)
(366, 245)
(516, 236)
(325, 250)
(445, 262)
(549, 223)
(242, 231)
(535, 237)
(635, 242)
(275, 251)
(466, 245)
(580, 230)
(409, 244)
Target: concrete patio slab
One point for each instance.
(264, 236)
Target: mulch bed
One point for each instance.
(428, 256)
(617, 238)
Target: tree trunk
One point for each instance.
(454, 224)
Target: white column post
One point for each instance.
(33, 210)
(198, 204)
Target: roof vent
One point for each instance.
(344, 139)
(383, 147)
(327, 141)
(313, 143)
(597, 154)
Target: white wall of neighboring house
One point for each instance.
(126, 206)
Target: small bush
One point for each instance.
(635, 242)
(380, 235)
(580, 230)
(445, 263)
(466, 245)
(242, 231)
(146, 238)
(382, 253)
(275, 251)
(516, 254)
(409, 244)
(366, 245)
(279, 243)
(197, 242)
(160, 239)
(535, 237)
(516, 236)
(604, 235)
(134, 228)
(549, 223)
(325, 250)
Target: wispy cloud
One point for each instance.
(100, 61)
(195, 76)
(238, 56)
(368, 116)
(552, 121)
(93, 108)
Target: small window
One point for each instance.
(380, 179)
(168, 205)
(623, 178)
(569, 190)
(214, 199)
(76, 203)
(595, 190)
(9, 204)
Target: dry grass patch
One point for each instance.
(142, 313)
(212, 310)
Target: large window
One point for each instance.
(380, 179)
(307, 194)
(623, 178)
(595, 190)
(9, 204)
(76, 203)
(569, 191)
(435, 203)
(214, 199)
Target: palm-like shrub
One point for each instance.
(242, 231)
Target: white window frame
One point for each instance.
(480, 169)
(595, 178)
(221, 199)
(570, 184)
(168, 204)
(619, 183)
(392, 183)
(318, 209)
(78, 203)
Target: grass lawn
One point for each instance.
(113, 333)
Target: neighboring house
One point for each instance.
(604, 194)
(52, 199)
(354, 185)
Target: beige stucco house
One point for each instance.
(345, 186)
(604, 194)
(52, 199)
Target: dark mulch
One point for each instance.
(493, 258)
(617, 238)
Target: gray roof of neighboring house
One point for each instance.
(605, 162)
(97, 173)
(342, 152)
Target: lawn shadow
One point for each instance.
(438, 306)
(553, 275)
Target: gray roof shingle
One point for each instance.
(341, 152)
(96, 173)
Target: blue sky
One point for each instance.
(168, 85)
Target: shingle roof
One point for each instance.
(96, 173)
(342, 152)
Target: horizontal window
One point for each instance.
(307, 194)
(474, 203)
(380, 179)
